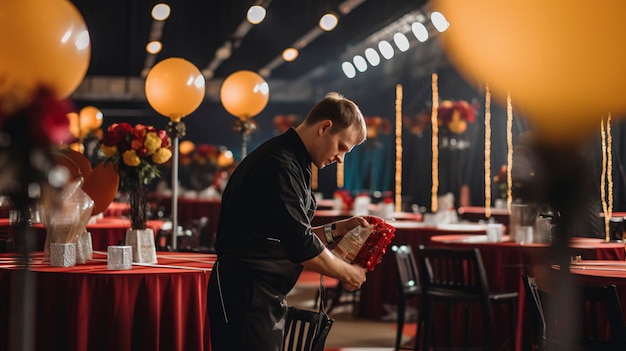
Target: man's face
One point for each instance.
(331, 147)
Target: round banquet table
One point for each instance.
(477, 213)
(506, 261)
(106, 231)
(88, 307)
(326, 216)
(380, 290)
(117, 209)
(602, 273)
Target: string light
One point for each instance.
(509, 145)
(398, 147)
(340, 175)
(487, 152)
(603, 182)
(314, 183)
(607, 174)
(435, 144)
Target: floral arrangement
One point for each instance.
(283, 122)
(418, 123)
(377, 125)
(456, 114)
(136, 152)
(501, 181)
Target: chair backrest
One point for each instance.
(306, 330)
(538, 320)
(408, 274)
(601, 303)
(452, 270)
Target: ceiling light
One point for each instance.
(360, 63)
(160, 12)
(256, 14)
(372, 56)
(348, 69)
(154, 47)
(385, 49)
(290, 54)
(439, 21)
(420, 31)
(328, 22)
(401, 41)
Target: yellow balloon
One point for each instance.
(186, 147)
(562, 63)
(46, 43)
(90, 118)
(175, 88)
(244, 94)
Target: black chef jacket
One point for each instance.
(263, 234)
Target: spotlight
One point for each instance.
(290, 54)
(160, 12)
(256, 14)
(372, 57)
(154, 47)
(439, 21)
(401, 41)
(420, 31)
(328, 22)
(359, 63)
(385, 49)
(348, 69)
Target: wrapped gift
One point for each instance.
(366, 245)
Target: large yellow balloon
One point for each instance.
(175, 88)
(90, 118)
(563, 63)
(244, 94)
(45, 43)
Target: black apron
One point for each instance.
(247, 305)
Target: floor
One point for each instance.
(348, 333)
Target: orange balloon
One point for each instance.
(74, 124)
(48, 45)
(186, 147)
(244, 94)
(90, 119)
(101, 185)
(175, 88)
(74, 161)
(562, 64)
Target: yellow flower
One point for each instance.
(161, 156)
(152, 142)
(108, 151)
(131, 158)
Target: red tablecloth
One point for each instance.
(381, 288)
(506, 261)
(602, 273)
(117, 209)
(326, 216)
(87, 307)
(106, 231)
(476, 213)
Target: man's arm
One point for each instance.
(352, 276)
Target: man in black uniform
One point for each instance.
(264, 235)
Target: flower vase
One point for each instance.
(138, 236)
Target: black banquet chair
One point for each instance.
(453, 276)
(409, 289)
(306, 330)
